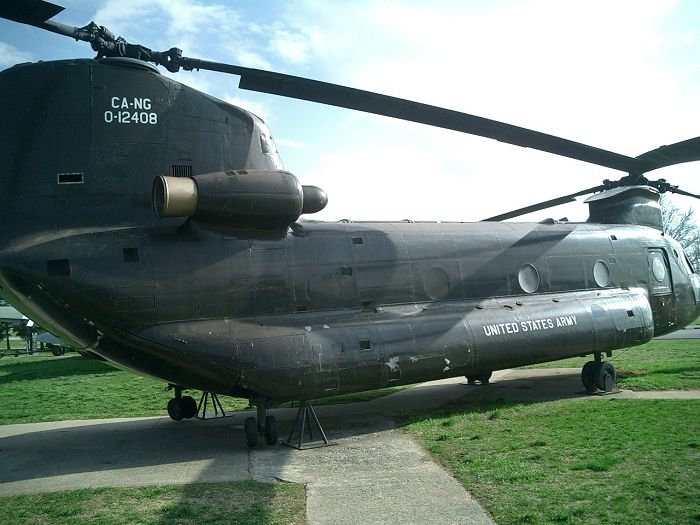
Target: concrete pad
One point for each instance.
(374, 473)
(44, 457)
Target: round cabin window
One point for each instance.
(528, 278)
(658, 268)
(601, 274)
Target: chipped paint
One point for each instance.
(447, 366)
(393, 363)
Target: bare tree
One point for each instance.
(681, 225)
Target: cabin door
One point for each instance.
(663, 303)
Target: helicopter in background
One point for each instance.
(165, 236)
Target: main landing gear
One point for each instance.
(181, 407)
(599, 376)
(265, 426)
(482, 378)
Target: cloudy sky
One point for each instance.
(620, 75)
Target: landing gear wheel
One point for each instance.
(587, 376)
(270, 430)
(250, 432)
(605, 376)
(483, 378)
(189, 407)
(175, 409)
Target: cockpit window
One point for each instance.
(270, 158)
(267, 145)
(687, 264)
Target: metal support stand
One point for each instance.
(304, 422)
(202, 407)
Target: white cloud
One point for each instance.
(594, 72)
(291, 44)
(261, 110)
(198, 28)
(250, 59)
(294, 144)
(10, 55)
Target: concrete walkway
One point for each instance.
(375, 473)
(689, 332)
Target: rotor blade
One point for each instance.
(683, 192)
(678, 153)
(37, 13)
(542, 205)
(369, 102)
(31, 12)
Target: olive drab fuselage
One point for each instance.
(290, 311)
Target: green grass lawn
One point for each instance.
(657, 365)
(583, 462)
(46, 388)
(243, 503)
(16, 343)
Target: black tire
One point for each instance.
(588, 376)
(175, 409)
(250, 432)
(57, 351)
(471, 380)
(605, 377)
(270, 430)
(189, 407)
(484, 378)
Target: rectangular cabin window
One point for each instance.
(131, 255)
(358, 240)
(345, 270)
(58, 268)
(69, 178)
(365, 344)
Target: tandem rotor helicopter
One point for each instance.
(154, 227)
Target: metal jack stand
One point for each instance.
(202, 407)
(302, 422)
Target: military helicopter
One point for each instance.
(160, 232)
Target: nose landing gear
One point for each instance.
(599, 376)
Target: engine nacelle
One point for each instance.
(258, 199)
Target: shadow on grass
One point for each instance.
(50, 368)
(681, 370)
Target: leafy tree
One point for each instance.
(681, 225)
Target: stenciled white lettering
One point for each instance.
(531, 325)
(567, 320)
(500, 329)
(127, 117)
